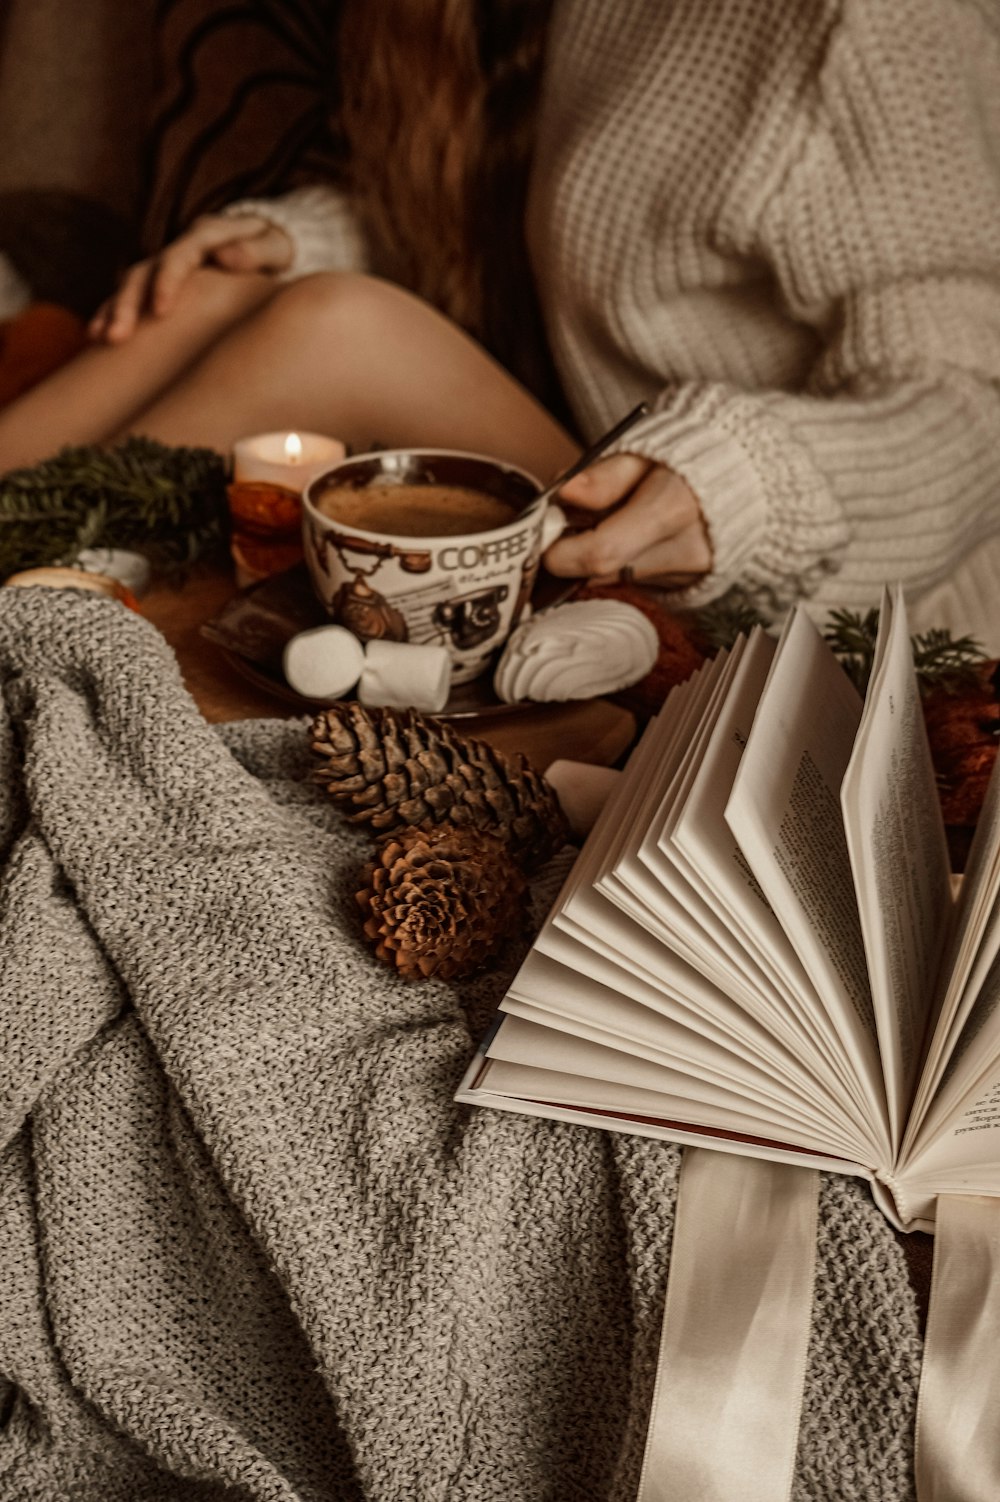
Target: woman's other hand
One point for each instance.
(656, 530)
(241, 242)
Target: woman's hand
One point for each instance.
(656, 531)
(241, 242)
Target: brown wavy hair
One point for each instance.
(438, 100)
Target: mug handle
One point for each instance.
(554, 523)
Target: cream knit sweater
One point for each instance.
(782, 223)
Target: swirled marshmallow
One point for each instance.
(576, 651)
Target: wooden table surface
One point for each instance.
(596, 731)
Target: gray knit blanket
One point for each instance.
(249, 1246)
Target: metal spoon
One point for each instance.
(595, 450)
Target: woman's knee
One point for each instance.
(344, 302)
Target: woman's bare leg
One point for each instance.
(365, 361)
(100, 391)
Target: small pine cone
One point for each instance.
(439, 901)
(395, 768)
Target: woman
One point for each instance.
(780, 223)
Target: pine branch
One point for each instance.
(721, 621)
(852, 637)
(941, 660)
(945, 661)
(169, 503)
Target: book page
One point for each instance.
(698, 838)
(963, 1148)
(961, 1108)
(785, 813)
(617, 808)
(592, 962)
(658, 901)
(637, 1021)
(655, 886)
(661, 937)
(895, 835)
(588, 935)
(624, 812)
(969, 956)
(742, 1082)
(665, 904)
(616, 1081)
(612, 949)
(505, 1090)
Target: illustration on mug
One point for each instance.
(356, 604)
(472, 619)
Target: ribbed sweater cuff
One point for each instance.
(719, 471)
(321, 225)
(773, 525)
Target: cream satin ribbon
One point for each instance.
(725, 1417)
(958, 1414)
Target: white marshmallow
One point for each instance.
(406, 675)
(324, 663)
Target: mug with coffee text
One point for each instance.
(428, 545)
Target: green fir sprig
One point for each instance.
(945, 661)
(169, 503)
(941, 660)
(852, 637)
(721, 621)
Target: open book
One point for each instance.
(758, 948)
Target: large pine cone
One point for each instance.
(439, 901)
(395, 768)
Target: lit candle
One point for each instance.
(270, 472)
(290, 459)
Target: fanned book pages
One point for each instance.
(758, 948)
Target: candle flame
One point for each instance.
(293, 448)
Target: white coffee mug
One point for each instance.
(466, 592)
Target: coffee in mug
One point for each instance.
(415, 510)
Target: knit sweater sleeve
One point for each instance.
(883, 234)
(320, 222)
